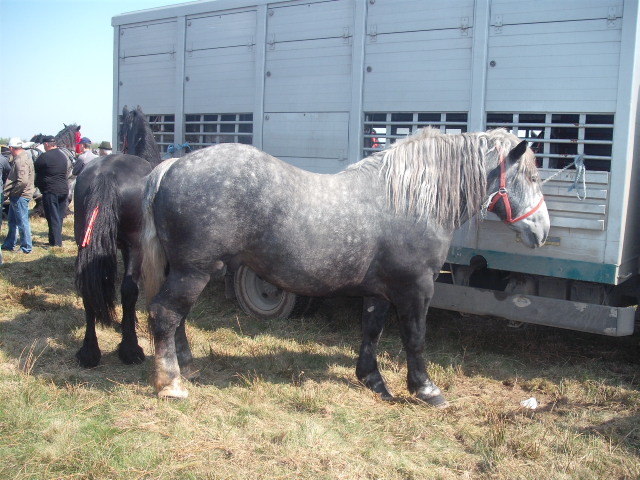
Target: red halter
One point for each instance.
(503, 194)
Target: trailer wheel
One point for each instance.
(265, 301)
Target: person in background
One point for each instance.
(51, 179)
(5, 168)
(85, 156)
(19, 187)
(104, 148)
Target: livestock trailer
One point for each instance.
(323, 83)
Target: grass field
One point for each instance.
(279, 399)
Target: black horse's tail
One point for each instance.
(97, 262)
(154, 262)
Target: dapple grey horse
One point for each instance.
(380, 229)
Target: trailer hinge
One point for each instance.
(464, 26)
(373, 33)
(497, 24)
(346, 35)
(612, 18)
(271, 41)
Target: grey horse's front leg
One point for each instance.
(374, 314)
(413, 324)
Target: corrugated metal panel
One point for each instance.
(148, 39)
(418, 71)
(149, 81)
(218, 31)
(314, 141)
(308, 75)
(147, 66)
(567, 210)
(310, 21)
(392, 16)
(220, 80)
(511, 12)
(553, 66)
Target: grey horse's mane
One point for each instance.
(438, 176)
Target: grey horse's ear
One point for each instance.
(517, 151)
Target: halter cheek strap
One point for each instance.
(503, 194)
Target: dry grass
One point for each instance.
(279, 399)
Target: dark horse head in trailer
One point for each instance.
(108, 217)
(380, 229)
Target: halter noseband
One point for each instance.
(503, 194)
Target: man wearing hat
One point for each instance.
(19, 188)
(86, 155)
(104, 148)
(51, 179)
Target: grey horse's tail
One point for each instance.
(154, 263)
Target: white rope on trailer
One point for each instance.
(581, 174)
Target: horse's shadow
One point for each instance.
(51, 273)
(44, 340)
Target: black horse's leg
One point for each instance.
(412, 313)
(89, 354)
(129, 351)
(167, 310)
(374, 314)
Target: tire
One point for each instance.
(264, 301)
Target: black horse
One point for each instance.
(380, 229)
(65, 138)
(108, 217)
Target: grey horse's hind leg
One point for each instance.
(183, 352)
(167, 311)
(374, 314)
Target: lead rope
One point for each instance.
(581, 174)
(174, 147)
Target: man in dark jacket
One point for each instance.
(51, 179)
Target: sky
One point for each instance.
(57, 65)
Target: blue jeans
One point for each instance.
(18, 223)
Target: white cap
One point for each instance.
(15, 142)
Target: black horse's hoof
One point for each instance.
(437, 401)
(131, 355)
(376, 383)
(88, 358)
(431, 394)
